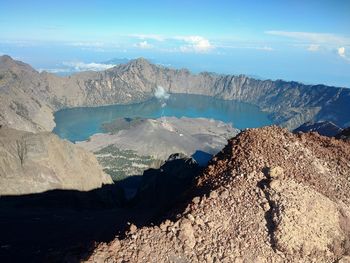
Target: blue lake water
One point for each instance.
(78, 124)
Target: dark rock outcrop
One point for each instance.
(344, 134)
(325, 128)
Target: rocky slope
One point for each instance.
(163, 136)
(33, 163)
(23, 103)
(268, 196)
(28, 98)
(133, 147)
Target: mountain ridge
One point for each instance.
(30, 98)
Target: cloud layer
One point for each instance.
(312, 37)
(71, 67)
(191, 43)
(81, 66)
(143, 45)
(314, 42)
(148, 36)
(313, 47)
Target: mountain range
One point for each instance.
(28, 98)
(268, 196)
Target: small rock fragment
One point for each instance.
(196, 200)
(190, 217)
(224, 194)
(275, 172)
(345, 259)
(186, 233)
(213, 195)
(133, 229)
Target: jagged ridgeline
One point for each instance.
(29, 98)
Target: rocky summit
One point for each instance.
(268, 196)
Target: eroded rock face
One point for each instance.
(271, 196)
(33, 163)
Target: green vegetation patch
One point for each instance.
(120, 164)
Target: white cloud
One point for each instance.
(313, 47)
(20, 43)
(192, 43)
(245, 46)
(195, 43)
(54, 70)
(95, 46)
(312, 37)
(77, 66)
(86, 44)
(342, 53)
(266, 48)
(143, 45)
(315, 41)
(149, 36)
(81, 66)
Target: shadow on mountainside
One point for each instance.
(62, 225)
(35, 225)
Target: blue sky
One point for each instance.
(306, 41)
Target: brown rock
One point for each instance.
(276, 172)
(133, 229)
(213, 195)
(186, 233)
(196, 200)
(308, 220)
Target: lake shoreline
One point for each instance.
(78, 124)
